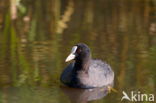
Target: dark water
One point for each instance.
(36, 39)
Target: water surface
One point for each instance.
(33, 47)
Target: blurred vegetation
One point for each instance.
(36, 36)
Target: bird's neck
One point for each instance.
(82, 64)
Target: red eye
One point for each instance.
(78, 51)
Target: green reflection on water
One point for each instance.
(32, 51)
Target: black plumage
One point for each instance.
(86, 72)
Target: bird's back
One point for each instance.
(99, 74)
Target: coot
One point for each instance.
(85, 72)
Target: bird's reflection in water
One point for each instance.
(84, 95)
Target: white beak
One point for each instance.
(70, 57)
(72, 54)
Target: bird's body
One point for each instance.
(87, 73)
(98, 75)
